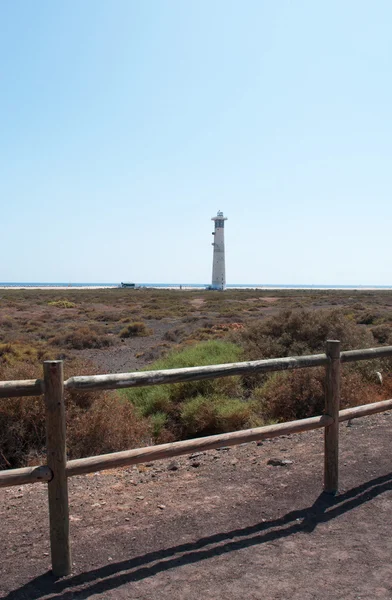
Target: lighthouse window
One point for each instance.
(219, 223)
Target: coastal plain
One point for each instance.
(249, 521)
(88, 323)
(98, 331)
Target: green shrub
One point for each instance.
(234, 413)
(199, 416)
(214, 414)
(208, 353)
(169, 399)
(158, 422)
(150, 400)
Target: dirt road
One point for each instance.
(222, 525)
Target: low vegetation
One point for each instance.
(219, 405)
(179, 403)
(189, 329)
(62, 304)
(96, 423)
(79, 338)
(135, 329)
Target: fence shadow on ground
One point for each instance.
(101, 580)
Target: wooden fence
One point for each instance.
(58, 469)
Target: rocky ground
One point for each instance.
(247, 522)
(131, 354)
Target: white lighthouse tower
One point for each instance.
(218, 263)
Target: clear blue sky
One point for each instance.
(125, 125)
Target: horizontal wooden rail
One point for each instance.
(26, 475)
(151, 453)
(35, 387)
(144, 378)
(366, 354)
(364, 410)
(27, 387)
(13, 477)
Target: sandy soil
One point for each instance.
(219, 525)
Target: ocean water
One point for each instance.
(54, 284)
(194, 285)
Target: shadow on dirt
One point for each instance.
(109, 577)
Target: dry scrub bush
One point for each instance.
(22, 420)
(292, 333)
(107, 316)
(108, 425)
(97, 422)
(299, 394)
(382, 333)
(62, 304)
(368, 317)
(6, 322)
(288, 396)
(175, 335)
(79, 338)
(19, 352)
(157, 315)
(135, 329)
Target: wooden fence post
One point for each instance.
(331, 432)
(57, 460)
